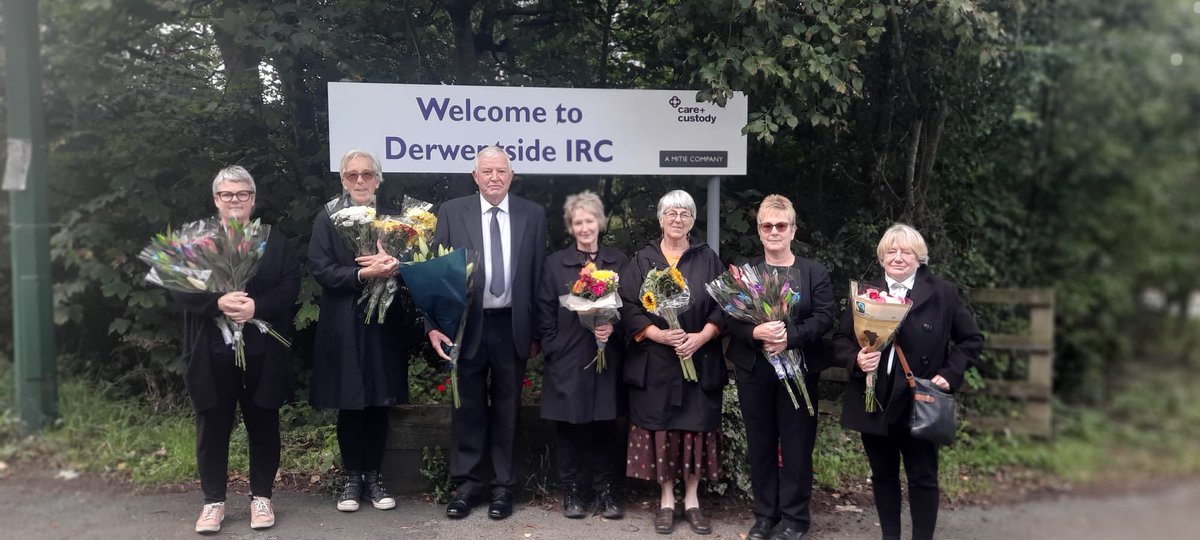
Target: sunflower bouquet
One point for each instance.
(214, 257)
(759, 295)
(594, 298)
(665, 293)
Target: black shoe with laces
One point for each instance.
(352, 487)
(373, 487)
(608, 502)
(574, 502)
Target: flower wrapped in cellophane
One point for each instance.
(440, 285)
(399, 236)
(594, 298)
(214, 257)
(877, 315)
(760, 295)
(665, 293)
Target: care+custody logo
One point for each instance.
(674, 101)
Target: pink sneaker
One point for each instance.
(262, 514)
(211, 518)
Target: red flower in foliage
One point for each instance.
(527, 383)
(441, 388)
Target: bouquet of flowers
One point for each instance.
(665, 293)
(757, 295)
(440, 285)
(399, 236)
(594, 297)
(877, 315)
(211, 256)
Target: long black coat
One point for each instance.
(939, 337)
(812, 316)
(355, 364)
(659, 398)
(274, 289)
(571, 393)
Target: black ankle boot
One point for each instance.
(373, 487)
(574, 502)
(352, 487)
(608, 502)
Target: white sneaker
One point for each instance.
(262, 513)
(211, 518)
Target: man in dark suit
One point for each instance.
(508, 234)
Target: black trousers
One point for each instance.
(362, 435)
(214, 425)
(777, 431)
(489, 387)
(589, 454)
(920, 463)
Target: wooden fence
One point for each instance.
(1034, 390)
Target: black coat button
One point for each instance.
(927, 327)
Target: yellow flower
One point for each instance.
(677, 278)
(649, 301)
(603, 275)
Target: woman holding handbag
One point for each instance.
(939, 338)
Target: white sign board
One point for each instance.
(438, 129)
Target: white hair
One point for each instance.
(233, 173)
(676, 199)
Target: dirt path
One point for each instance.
(37, 506)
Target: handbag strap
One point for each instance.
(908, 374)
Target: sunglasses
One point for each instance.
(781, 226)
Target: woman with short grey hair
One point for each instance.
(674, 424)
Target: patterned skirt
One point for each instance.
(662, 456)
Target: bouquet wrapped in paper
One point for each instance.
(877, 315)
(211, 256)
(440, 286)
(594, 298)
(400, 236)
(665, 293)
(757, 296)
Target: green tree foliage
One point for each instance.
(1035, 143)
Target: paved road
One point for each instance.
(40, 507)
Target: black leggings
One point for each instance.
(213, 427)
(362, 434)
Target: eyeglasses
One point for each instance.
(681, 216)
(353, 176)
(229, 196)
(782, 226)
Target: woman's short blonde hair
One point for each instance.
(777, 203)
(588, 202)
(904, 237)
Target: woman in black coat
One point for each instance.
(781, 494)
(216, 385)
(939, 338)
(671, 419)
(356, 366)
(583, 403)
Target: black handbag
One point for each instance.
(933, 410)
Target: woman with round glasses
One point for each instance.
(780, 438)
(674, 424)
(217, 386)
(355, 369)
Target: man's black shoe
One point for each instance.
(460, 507)
(761, 530)
(502, 505)
(789, 533)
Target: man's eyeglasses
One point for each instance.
(782, 226)
(229, 196)
(681, 216)
(353, 176)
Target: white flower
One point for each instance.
(353, 215)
